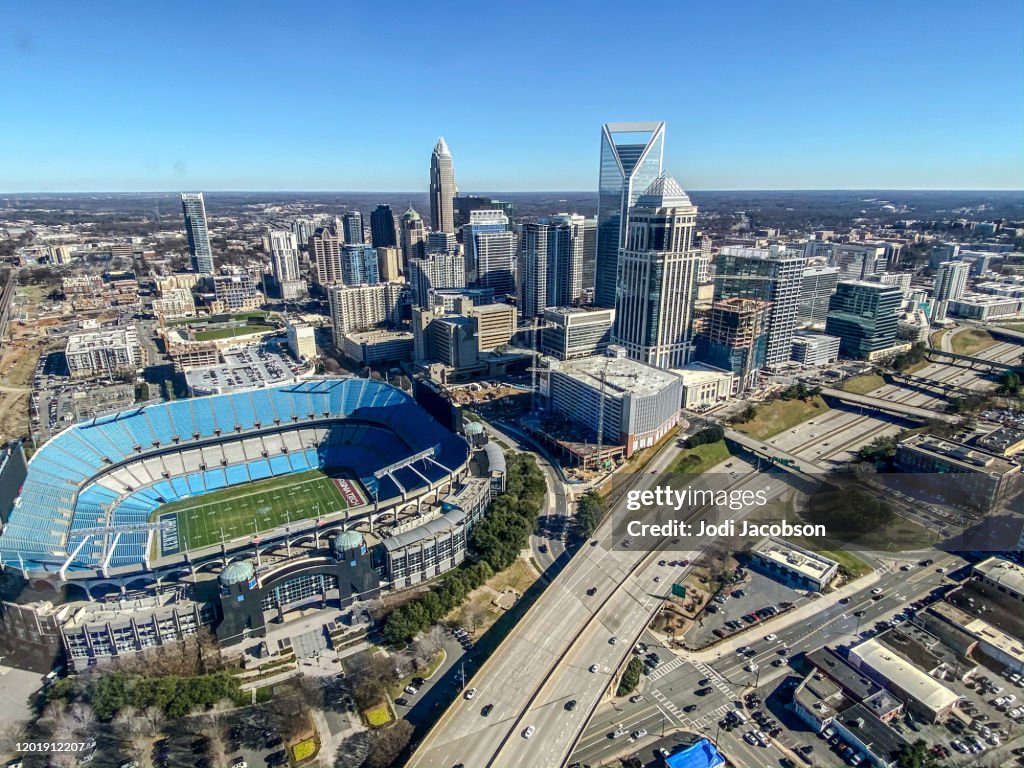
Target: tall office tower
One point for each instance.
(863, 316)
(631, 157)
(550, 263)
(657, 284)
(767, 274)
(440, 242)
(902, 279)
(736, 339)
(389, 264)
(194, 208)
(442, 188)
(284, 264)
(490, 251)
(943, 252)
(303, 229)
(359, 265)
(413, 234)
(816, 289)
(588, 258)
(950, 284)
(352, 227)
(704, 271)
(436, 270)
(325, 255)
(383, 228)
(574, 332)
(859, 261)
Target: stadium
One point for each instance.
(281, 480)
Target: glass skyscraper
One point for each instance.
(442, 188)
(383, 230)
(631, 158)
(194, 208)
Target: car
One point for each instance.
(959, 746)
(592, 591)
(570, 705)
(638, 734)
(657, 579)
(542, 548)
(750, 739)
(618, 732)
(662, 563)
(844, 600)
(239, 763)
(859, 614)
(402, 701)
(469, 694)
(771, 638)
(412, 690)
(613, 640)
(595, 667)
(690, 708)
(876, 591)
(529, 731)
(703, 691)
(488, 708)
(635, 698)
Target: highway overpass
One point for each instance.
(981, 362)
(887, 406)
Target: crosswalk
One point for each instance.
(666, 704)
(665, 668)
(715, 678)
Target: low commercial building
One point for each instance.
(704, 385)
(980, 477)
(985, 307)
(924, 695)
(575, 332)
(1005, 441)
(814, 349)
(794, 565)
(377, 346)
(104, 353)
(640, 403)
(174, 304)
(1000, 576)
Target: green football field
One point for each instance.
(248, 509)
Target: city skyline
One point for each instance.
(873, 108)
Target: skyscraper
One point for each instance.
(194, 208)
(383, 230)
(359, 265)
(863, 316)
(588, 257)
(767, 274)
(736, 339)
(631, 158)
(950, 284)
(490, 251)
(442, 188)
(352, 227)
(325, 255)
(284, 264)
(436, 270)
(818, 284)
(550, 266)
(413, 234)
(657, 283)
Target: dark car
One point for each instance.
(418, 681)
(402, 701)
(703, 691)
(488, 708)
(278, 758)
(592, 591)
(689, 708)
(275, 742)
(570, 705)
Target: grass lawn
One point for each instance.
(257, 506)
(377, 716)
(971, 341)
(861, 385)
(781, 415)
(916, 367)
(426, 672)
(693, 461)
(227, 333)
(478, 609)
(519, 576)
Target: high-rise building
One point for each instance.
(303, 229)
(950, 284)
(235, 292)
(550, 263)
(352, 227)
(902, 279)
(863, 316)
(413, 234)
(943, 252)
(588, 257)
(325, 255)
(631, 158)
(657, 283)
(359, 265)
(466, 204)
(574, 332)
(859, 261)
(389, 263)
(770, 274)
(491, 251)
(194, 208)
(442, 188)
(284, 264)
(436, 270)
(816, 289)
(736, 339)
(442, 242)
(383, 228)
(359, 307)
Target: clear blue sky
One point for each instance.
(762, 94)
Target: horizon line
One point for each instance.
(504, 192)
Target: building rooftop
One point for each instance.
(1002, 572)
(795, 558)
(700, 373)
(821, 696)
(882, 740)
(852, 680)
(621, 376)
(377, 335)
(1004, 441)
(246, 368)
(905, 676)
(814, 338)
(968, 458)
(101, 339)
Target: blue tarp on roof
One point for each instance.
(699, 755)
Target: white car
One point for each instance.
(613, 640)
(876, 591)
(595, 667)
(529, 731)
(749, 738)
(469, 694)
(771, 638)
(639, 734)
(751, 667)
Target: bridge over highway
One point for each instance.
(887, 406)
(981, 362)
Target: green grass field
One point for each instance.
(781, 415)
(226, 333)
(245, 510)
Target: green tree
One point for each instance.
(630, 677)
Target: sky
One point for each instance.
(344, 96)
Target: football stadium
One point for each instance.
(266, 491)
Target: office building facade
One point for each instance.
(574, 332)
(359, 265)
(436, 270)
(361, 307)
(352, 227)
(817, 288)
(863, 316)
(383, 227)
(736, 339)
(193, 207)
(442, 188)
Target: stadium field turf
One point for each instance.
(249, 509)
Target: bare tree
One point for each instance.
(83, 719)
(153, 719)
(57, 719)
(387, 743)
(11, 732)
(430, 643)
(473, 616)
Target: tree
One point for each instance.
(630, 677)
(749, 414)
(387, 743)
(589, 512)
(916, 755)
